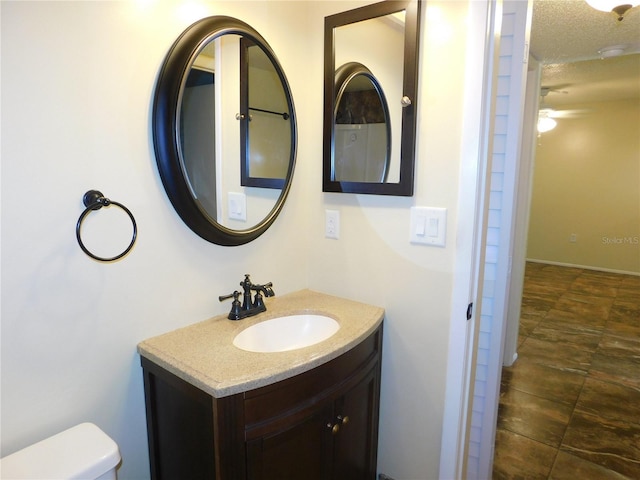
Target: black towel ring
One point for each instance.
(95, 200)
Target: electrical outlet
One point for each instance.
(573, 238)
(332, 224)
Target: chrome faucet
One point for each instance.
(249, 306)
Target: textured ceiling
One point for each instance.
(566, 36)
(570, 30)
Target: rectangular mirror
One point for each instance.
(370, 90)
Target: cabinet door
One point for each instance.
(180, 427)
(296, 452)
(355, 443)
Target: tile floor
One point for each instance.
(570, 405)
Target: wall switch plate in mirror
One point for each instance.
(237, 206)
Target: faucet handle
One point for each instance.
(235, 295)
(234, 314)
(266, 289)
(260, 290)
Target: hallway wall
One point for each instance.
(586, 182)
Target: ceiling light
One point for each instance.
(614, 51)
(545, 113)
(619, 7)
(546, 123)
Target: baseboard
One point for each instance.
(584, 267)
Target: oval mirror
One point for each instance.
(224, 131)
(362, 140)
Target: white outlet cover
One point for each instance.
(332, 224)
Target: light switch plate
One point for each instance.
(428, 226)
(237, 206)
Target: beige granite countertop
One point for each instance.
(203, 354)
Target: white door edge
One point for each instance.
(482, 51)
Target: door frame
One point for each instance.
(475, 184)
(483, 44)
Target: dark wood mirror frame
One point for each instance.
(165, 127)
(405, 185)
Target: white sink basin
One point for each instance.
(286, 333)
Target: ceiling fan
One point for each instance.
(547, 115)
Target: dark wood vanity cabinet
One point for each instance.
(321, 424)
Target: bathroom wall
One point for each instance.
(77, 83)
(374, 262)
(586, 184)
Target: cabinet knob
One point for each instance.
(335, 428)
(344, 419)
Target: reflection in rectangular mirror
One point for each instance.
(371, 49)
(378, 44)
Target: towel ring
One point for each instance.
(95, 200)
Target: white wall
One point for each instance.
(374, 262)
(77, 83)
(585, 183)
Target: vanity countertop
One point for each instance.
(203, 354)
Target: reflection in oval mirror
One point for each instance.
(265, 128)
(260, 137)
(362, 137)
(224, 131)
(197, 131)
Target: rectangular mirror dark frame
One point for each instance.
(401, 98)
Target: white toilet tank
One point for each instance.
(82, 452)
